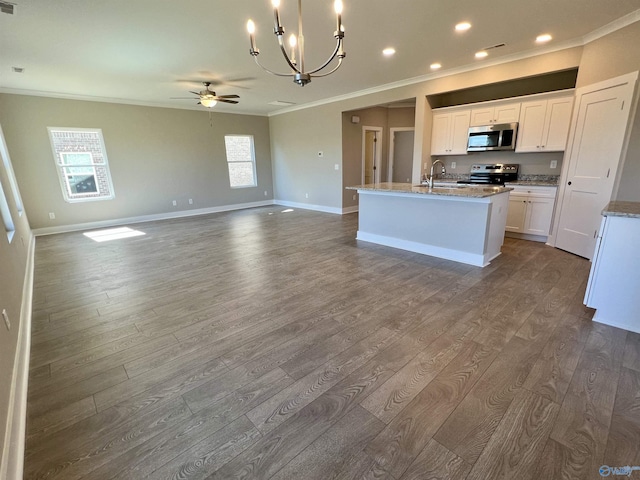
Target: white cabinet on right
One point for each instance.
(531, 211)
(544, 125)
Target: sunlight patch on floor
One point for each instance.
(112, 234)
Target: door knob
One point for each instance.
(569, 183)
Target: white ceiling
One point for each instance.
(147, 51)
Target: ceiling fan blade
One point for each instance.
(227, 101)
(228, 96)
(195, 93)
(184, 98)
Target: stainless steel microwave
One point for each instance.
(492, 137)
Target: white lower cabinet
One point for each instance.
(614, 281)
(531, 210)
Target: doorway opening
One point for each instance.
(371, 154)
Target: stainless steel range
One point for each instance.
(492, 174)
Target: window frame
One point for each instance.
(67, 193)
(8, 167)
(252, 160)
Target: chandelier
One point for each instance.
(296, 44)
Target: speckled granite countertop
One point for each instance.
(622, 209)
(452, 191)
(534, 183)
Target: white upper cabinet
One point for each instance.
(450, 132)
(501, 113)
(544, 125)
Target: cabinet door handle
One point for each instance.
(569, 183)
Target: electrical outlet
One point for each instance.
(265, 193)
(5, 316)
(320, 154)
(191, 201)
(52, 216)
(306, 195)
(175, 203)
(453, 165)
(425, 166)
(554, 164)
(336, 166)
(354, 197)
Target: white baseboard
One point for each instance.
(309, 206)
(527, 236)
(12, 464)
(352, 209)
(440, 252)
(615, 323)
(148, 218)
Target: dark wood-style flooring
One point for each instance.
(268, 343)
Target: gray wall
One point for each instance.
(13, 264)
(156, 155)
(608, 57)
(382, 117)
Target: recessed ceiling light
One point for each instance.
(481, 54)
(388, 51)
(435, 66)
(543, 38)
(463, 27)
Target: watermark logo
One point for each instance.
(606, 470)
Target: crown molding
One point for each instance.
(579, 42)
(120, 101)
(618, 24)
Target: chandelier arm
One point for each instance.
(270, 71)
(286, 57)
(333, 55)
(334, 69)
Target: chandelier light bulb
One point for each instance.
(275, 3)
(292, 41)
(337, 6)
(251, 27)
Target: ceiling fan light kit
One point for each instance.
(209, 99)
(296, 45)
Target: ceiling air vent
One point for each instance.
(6, 7)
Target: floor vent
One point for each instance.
(6, 7)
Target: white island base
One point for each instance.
(467, 229)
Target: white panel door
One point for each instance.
(597, 142)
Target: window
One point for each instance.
(5, 213)
(81, 161)
(241, 160)
(13, 184)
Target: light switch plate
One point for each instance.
(453, 165)
(336, 166)
(554, 164)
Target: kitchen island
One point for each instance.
(465, 224)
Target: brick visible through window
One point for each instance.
(241, 160)
(81, 161)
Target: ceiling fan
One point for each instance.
(208, 98)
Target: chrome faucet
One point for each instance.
(430, 179)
